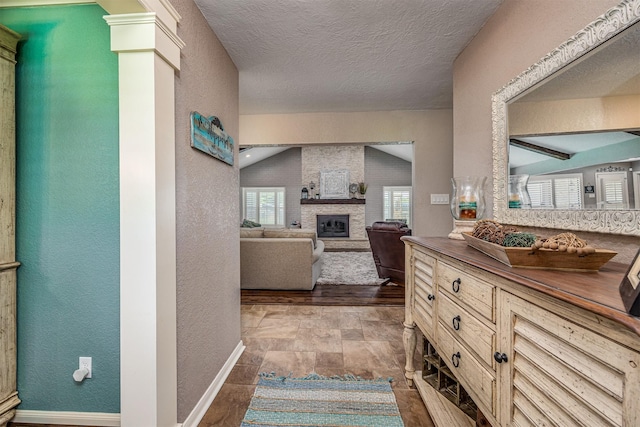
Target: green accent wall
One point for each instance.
(67, 226)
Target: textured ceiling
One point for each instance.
(345, 55)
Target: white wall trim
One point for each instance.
(147, 59)
(207, 398)
(166, 11)
(101, 419)
(25, 3)
(144, 31)
(111, 6)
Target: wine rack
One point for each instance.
(436, 373)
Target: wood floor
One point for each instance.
(344, 295)
(325, 295)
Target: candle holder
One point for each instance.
(467, 198)
(518, 194)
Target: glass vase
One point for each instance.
(467, 199)
(518, 194)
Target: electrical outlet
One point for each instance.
(85, 362)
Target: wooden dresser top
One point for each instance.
(596, 292)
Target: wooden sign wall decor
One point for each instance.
(630, 287)
(208, 135)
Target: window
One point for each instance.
(397, 203)
(563, 191)
(541, 193)
(264, 205)
(612, 190)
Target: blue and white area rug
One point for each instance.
(319, 401)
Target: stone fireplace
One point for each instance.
(357, 239)
(316, 159)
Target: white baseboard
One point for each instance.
(101, 419)
(203, 405)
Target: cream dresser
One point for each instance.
(531, 347)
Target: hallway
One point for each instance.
(329, 340)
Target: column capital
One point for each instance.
(139, 32)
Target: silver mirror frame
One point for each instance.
(625, 222)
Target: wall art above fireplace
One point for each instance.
(334, 184)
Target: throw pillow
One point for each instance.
(250, 224)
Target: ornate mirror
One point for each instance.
(574, 117)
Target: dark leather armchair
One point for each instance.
(388, 249)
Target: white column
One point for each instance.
(148, 54)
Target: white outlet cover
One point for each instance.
(85, 362)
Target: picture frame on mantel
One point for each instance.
(630, 287)
(334, 184)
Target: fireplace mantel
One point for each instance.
(332, 201)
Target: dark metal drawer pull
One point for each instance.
(455, 285)
(500, 357)
(431, 297)
(456, 323)
(455, 359)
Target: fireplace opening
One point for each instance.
(333, 225)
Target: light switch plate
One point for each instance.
(439, 199)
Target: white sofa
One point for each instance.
(279, 259)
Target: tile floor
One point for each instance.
(328, 340)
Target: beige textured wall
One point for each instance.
(571, 115)
(518, 35)
(208, 248)
(430, 131)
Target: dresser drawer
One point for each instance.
(468, 289)
(480, 382)
(467, 329)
